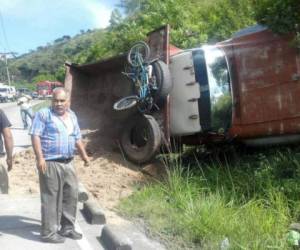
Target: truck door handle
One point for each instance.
(190, 83)
(193, 117)
(188, 67)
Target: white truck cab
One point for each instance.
(201, 91)
(7, 93)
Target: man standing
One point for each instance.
(8, 144)
(55, 134)
(25, 108)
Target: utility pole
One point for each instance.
(4, 55)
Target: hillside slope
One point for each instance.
(49, 59)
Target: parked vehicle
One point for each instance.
(23, 91)
(244, 89)
(7, 93)
(26, 91)
(34, 95)
(45, 88)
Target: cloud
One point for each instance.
(32, 23)
(95, 12)
(99, 12)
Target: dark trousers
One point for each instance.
(25, 113)
(3, 179)
(59, 194)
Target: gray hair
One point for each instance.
(60, 89)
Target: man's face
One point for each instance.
(60, 102)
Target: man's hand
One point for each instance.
(82, 153)
(86, 162)
(41, 165)
(9, 163)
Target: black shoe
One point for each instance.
(71, 234)
(55, 238)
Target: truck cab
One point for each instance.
(200, 100)
(246, 88)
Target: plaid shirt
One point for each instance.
(56, 141)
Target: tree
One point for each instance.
(193, 22)
(282, 16)
(43, 77)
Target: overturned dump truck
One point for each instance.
(244, 89)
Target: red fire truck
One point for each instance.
(45, 88)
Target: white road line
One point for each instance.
(83, 243)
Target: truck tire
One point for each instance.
(163, 80)
(141, 138)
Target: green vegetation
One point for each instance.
(47, 62)
(248, 198)
(281, 16)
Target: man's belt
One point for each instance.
(62, 160)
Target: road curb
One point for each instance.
(82, 193)
(93, 214)
(114, 240)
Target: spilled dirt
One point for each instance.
(108, 178)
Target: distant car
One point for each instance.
(34, 95)
(25, 91)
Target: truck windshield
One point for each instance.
(219, 88)
(3, 90)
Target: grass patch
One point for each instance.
(251, 200)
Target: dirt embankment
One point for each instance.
(109, 177)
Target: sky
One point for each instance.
(27, 24)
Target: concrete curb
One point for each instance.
(82, 193)
(113, 240)
(93, 214)
(126, 237)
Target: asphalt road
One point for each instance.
(21, 137)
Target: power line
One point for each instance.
(4, 56)
(3, 31)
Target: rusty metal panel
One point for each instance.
(268, 84)
(158, 41)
